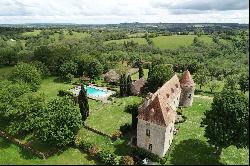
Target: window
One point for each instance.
(150, 147)
(169, 142)
(147, 132)
(172, 90)
(176, 85)
(190, 95)
(167, 95)
(171, 130)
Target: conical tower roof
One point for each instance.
(186, 79)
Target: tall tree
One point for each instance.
(128, 85)
(141, 73)
(159, 75)
(83, 103)
(201, 77)
(227, 123)
(123, 83)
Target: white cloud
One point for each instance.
(116, 11)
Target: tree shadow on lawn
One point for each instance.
(4, 143)
(194, 152)
(121, 146)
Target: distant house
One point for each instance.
(111, 77)
(157, 114)
(137, 86)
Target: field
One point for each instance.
(136, 40)
(176, 41)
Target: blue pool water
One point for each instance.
(95, 92)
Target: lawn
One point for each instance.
(136, 75)
(12, 154)
(109, 117)
(32, 33)
(176, 41)
(141, 41)
(51, 86)
(191, 147)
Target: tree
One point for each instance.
(244, 82)
(213, 85)
(83, 103)
(201, 77)
(141, 74)
(231, 82)
(94, 69)
(123, 83)
(227, 123)
(26, 73)
(59, 122)
(41, 67)
(128, 85)
(159, 75)
(68, 70)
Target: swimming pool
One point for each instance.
(94, 92)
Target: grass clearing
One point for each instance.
(136, 75)
(191, 147)
(176, 41)
(109, 117)
(141, 41)
(5, 71)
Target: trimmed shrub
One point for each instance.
(127, 160)
(63, 92)
(116, 134)
(93, 150)
(108, 157)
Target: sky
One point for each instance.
(121, 11)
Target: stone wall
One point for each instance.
(186, 98)
(156, 138)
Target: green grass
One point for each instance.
(109, 117)
(176, 41)
(191, 147)
(11, 154)
(141, 41)
(50, 87)
(136, 75)
(4, 71)
(33, 33)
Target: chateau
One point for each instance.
(158, 112)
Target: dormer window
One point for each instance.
(172, 90)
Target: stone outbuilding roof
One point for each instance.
(186, 79)
(156, 113)
(111, 76)
(138, 85)
(158, 109)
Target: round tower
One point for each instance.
(187, 89)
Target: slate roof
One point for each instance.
(186, 79)
(138, 84)
(158, 110)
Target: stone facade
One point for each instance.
(187, 95)
(158, 112)
(154, 137)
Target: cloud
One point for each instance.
(116, 11)
(200, 6)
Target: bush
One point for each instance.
(93, 150)
(116, 134)
(108, 157)
(63, 92)
(127, 160)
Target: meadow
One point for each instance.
(176, 41)
(141, 41)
